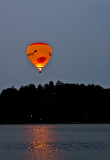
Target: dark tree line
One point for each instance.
(59, 103)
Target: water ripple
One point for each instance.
(33, 147)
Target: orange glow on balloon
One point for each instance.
(39, 54)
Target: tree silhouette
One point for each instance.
(59, 103)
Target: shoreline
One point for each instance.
(54, 123)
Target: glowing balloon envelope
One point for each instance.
(39, 54)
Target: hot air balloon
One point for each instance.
(39, 54)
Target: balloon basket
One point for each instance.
(40, 70)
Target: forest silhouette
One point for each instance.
(59, 103)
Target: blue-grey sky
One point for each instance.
(77, 30)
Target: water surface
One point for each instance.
(55, 142)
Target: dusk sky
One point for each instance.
(77, 30)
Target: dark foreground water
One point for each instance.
(55, 142)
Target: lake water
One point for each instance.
(55, 142)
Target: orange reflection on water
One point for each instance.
(41, 143)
